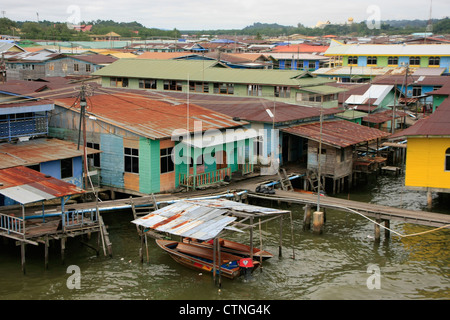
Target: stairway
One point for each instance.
(286, 184)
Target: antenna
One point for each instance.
(429, 27)
(37, 14)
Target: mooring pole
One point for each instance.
(22, 252)
(280, 245)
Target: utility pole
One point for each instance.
(82, 126)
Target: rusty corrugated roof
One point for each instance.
(437, 124)
(340, 133)
(153, 118)
(25, 185)
(199, 219)
(254, 109)
(37, 151)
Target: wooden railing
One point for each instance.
(203, 179)
(74, 218)
(12, 224)
(246, 168)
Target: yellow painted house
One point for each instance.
(428, 152)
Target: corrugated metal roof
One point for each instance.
(37, 151)
(151, 117)
(437, 124)
(253, 108)
(205, 71)
(340, 133)
(295, 56)
(199, 219)
(390, 49)
(25, 185)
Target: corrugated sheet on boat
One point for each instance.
(198, 219)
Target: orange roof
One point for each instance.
(163, 55)
(152, 118)
(33, 49)
(300, 48)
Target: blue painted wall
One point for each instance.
(362, 61)
(112, 160)
(445, 63)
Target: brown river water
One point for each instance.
(338, 264)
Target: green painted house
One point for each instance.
(151, 146)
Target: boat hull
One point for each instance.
(201, 259)
(233, 247)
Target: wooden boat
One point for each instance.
(201, 258)
(232, 247)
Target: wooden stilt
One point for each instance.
(387, 233)
(307, 218)
(46, 253)
(280, 245)
(377, 230)
(63, 248)
(22, 252)
(292, 236)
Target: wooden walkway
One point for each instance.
(378, 212)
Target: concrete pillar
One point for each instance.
(317, 222)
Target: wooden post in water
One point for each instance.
(63, 247)
(280, 254)
(46, 252)
(377, 230)
(22, 253)
(317, 222)
(387, 233)
(307, 218)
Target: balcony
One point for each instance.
(22, 127)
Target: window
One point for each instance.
(173, 85)
(371, 60)
(94, 159)
(64, 67)
(416, 91)
(131, 157)
(76, 67)
(393, 61)
(119, 82)
(88, 68)
(287, 64)
(254, 90)
(167, 164)
(434, 61)
(312, 65)
(299, 64)
(147, 83)
(353, 60)
(66, 168)
(414, 61)
(224, 88)
(282, 92)
(199, 87)
(258, 146)
(447, 160)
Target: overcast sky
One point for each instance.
(229, 14)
